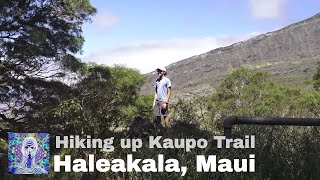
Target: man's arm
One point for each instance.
(154, 100)
(169, 95)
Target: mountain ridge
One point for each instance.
(280, 52)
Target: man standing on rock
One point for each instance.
(162, 97)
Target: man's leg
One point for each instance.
(157, 121)
(166, 121)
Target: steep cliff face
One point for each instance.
(289, 54)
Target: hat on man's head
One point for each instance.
(162, 69)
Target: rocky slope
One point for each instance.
(290, 54)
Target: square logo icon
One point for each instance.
(28, 153)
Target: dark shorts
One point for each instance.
(158, 111)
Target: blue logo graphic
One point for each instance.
(28, 153)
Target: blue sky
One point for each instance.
(146, 34)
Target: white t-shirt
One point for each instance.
(162, 88)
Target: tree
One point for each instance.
(100, 101)
(38, 43)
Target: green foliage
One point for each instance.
(193, 110)
(281, 152)
(106, 98)
(142, 107)
(247, 93)
(316, 79)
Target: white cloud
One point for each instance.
(267, 9)
(105, 20)
(147, 56)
